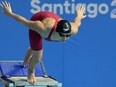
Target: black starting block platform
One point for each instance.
(13, 74)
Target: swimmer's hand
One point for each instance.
(6, 8)
(80, 12)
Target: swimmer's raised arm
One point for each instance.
(79, 15)
(77, 20)
(34, 25)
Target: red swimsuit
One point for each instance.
(34, 37)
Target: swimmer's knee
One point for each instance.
(29, 48)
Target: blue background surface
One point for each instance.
(88, 59)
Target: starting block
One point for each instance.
(13, 74)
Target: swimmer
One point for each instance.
(44, 25)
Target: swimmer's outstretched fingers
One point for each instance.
(6, 7)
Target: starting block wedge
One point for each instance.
(13, 74)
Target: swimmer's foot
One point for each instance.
(27, 57)
(26, 61)
(31, 77)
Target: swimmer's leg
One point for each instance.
(36, 58)
(27, 57)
